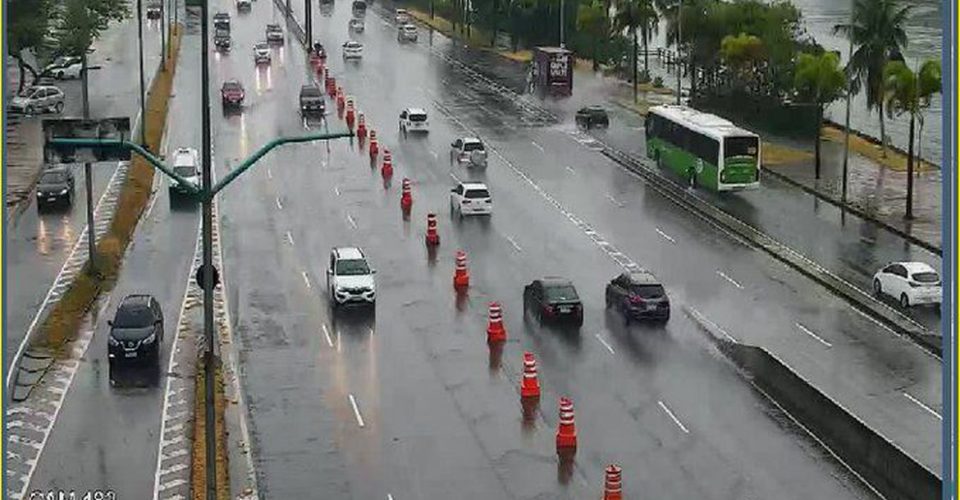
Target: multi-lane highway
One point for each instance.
(410, 402)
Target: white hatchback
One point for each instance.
(471, 198)
(352, 50)
(912, 283)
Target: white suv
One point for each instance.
(912, 283)
(352, 49)
(261, 53)
(471, 198)
(186, 164)
(349, 278)
(402, 16)
(468, 151)
(407, 33)
(414, 120)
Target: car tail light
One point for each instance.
(547, 310)
(636, 299)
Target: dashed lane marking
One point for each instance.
(279, 204)
(356, 410)
(326, 334)
(306, 279)
(514, 243)
(814, 335)
(925, 407)
(604, 342)
(289, 238)
(538, 146)
(673, 417)
(665, 236)
(352, 222)
(729, 279)
(571, 170)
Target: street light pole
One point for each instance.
(163, 36)
(846, 124)
(143, 108)
(679, 43)
(309, 24)
(561, 24)
(88, 171)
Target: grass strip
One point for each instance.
(63, 322)
(198, 479)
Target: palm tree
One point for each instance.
(592, 21)
(909, 92)
(633, 15)
(877, 31)
(819, 80)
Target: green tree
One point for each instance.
(592, 23)
(909, 92)
(633, 16)
(28, 22)
(820, 81)
(84, 22)
(743, 54)
(877, 32)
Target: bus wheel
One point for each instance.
(657, 159)
(693, 178)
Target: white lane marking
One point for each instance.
(306, 279)
(269, 173)
(454, 177)
(356, 410)
(389, 496)
(604, 342)
(434, 154)
(703, 319)
(537, 146)
(925, 407)
(326, 334)
(351, 221)
(665, 236)
(336, 189)
(571, 170)
(370, 331)
(289, 238)
(614, 200)
(814, 335)
(339, 344)
(673, 417)
(731, 280)
(514, 243)
(279, 204)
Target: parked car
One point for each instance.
(638, 295)
(55, 186)
(350, 278)
(352, 49)
(414, 120)
(221, 20)
(261, 53)
(407, 33)
(136, 333)
(312, 101)
(471, 198)
(468, 151)
(186, 164)
(402, 16)
(232, 94)
(592, 116)
(38, 99)
(912, 283)
(63, 68)
(356, 25)
(274, 34)
(553, 300)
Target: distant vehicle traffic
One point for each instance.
(312, 102)
(261, 53)
(221, 21)
(350, 278)
(355, 25)
(186, 164)
(232, 94)
(63, 68)
(401, 16)
(638, 295)
(407, 33)
(911, 283)
(55, 187)
(154, 9)
(703, 149)
(244, 5)
(221, 38)
(552, 71)
(359, 8)
(468, 151)
(352, 50)
(414, 120)
(136, 333)
(553, 300)
(471, 198)
(274, 33)
(38, 99)
(592, 116)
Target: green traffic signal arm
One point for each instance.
(193, 188)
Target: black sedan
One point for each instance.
(553, 300)
(638, 295)
(592, 116)
(55, 186)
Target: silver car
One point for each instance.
(38, 99)
(261, 53)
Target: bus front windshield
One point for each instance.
(740, 147)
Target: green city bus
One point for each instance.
(703, 149)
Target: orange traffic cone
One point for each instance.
(361, 127)
(406, 197)
(433, 238)
(374, 147)
(495, 329)
(340, 102)
(461, 278)
(567, 430)
(350, 114)
(387, 169)
(529, 385)
(613, 485)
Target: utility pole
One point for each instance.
(143, 108)
(207, 237)
(846, 124)
(163, 36)
(679, 44)
(309, 24)
(561, 24)
(88, 171)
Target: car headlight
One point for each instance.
(151, 339)
(64, 191)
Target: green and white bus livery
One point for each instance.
(703, 149)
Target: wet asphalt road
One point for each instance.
(419, 373)
(40, 243)
(106, 437)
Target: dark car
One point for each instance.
(136, 332)
(274, 33)
(232, 94)
(221, 38)
(553, 300)
(221, 21)
(638, 295)
(54, 187)
(154, 9)
(592, 116)
(312, 101)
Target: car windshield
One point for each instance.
(29, 92)
(926, 277)
(477, 193)
(185, 171)
(557, 293)
(133, 317)
(232, 87)
(647, 291)
(473, 146)
(418, 117)
(261, 47)
(53, 178)
(352, 267)
(222, 33)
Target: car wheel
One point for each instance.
(877, 287)
(59, 75)
(29, 110)
(58, 107)
(904, 301)
(692, 178)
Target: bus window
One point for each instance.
(740, 146)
